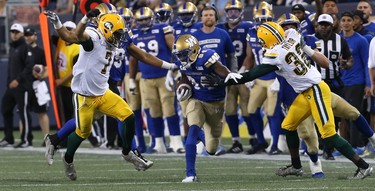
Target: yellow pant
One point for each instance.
(85, 107)
(315, 101)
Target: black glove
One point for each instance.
(93, 13)
(212, 80)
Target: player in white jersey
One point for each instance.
(89, 84)
(286, 56)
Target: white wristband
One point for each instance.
(57, 25)
(85, 20)
(167, 65)
(307, 49)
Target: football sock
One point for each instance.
(275, 128)
(360, 163)
(250, 128)
(150, 127)
(174, 125)
(232, 121)
(341, 145)
(128, 130)
(158, 124)
(139, 128)
(313, 157)
(66, 129)
(296, 162)
(73, 143)
(257, 123)
(363, 126)
(191, 149)
(292, 139)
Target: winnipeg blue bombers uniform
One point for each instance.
(237, 95)
(198, 72)
(179, 29)
(238, 36)
(218, 40)
(149, 41)
(307, 26)
(205, 108)
(158, 99)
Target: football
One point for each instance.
(184, 85)
(38, 68)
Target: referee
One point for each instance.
(336, 49)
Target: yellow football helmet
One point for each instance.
(127, 15)
(270, 34)
(112, 27)
(144, 18)
(288, 19)
(262, 5)
(163, 13)
(187, 14)
(186, 49)
(234, 11)
(263, 15)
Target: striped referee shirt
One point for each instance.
(333, 47)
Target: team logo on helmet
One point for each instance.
(108, 25)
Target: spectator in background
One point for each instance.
(18, 88)
(66, 56)
(3, 8)
(359, 20)
(356, 78)
(365, 6)
(330, 7)
(64, 6)
(39, 98)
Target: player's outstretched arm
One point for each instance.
(253, 74)
(74, 36)
(147, 58)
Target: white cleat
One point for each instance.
(50, 149)
(316, 169)
(190, 179)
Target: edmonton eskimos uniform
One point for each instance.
(314, 94)
(90, 85)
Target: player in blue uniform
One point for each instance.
(205, 106)
(237, 30)
(261, 94)
(156, 39)
(212, 37)
(186, 23)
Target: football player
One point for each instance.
(156, 39)
(237, 30)
(163, 13)
(314, 95)
(90, 81)
(134, 100)
(185, 24)
(261, 94)
(205, 104)
(210, 36)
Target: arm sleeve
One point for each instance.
(254, 73)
